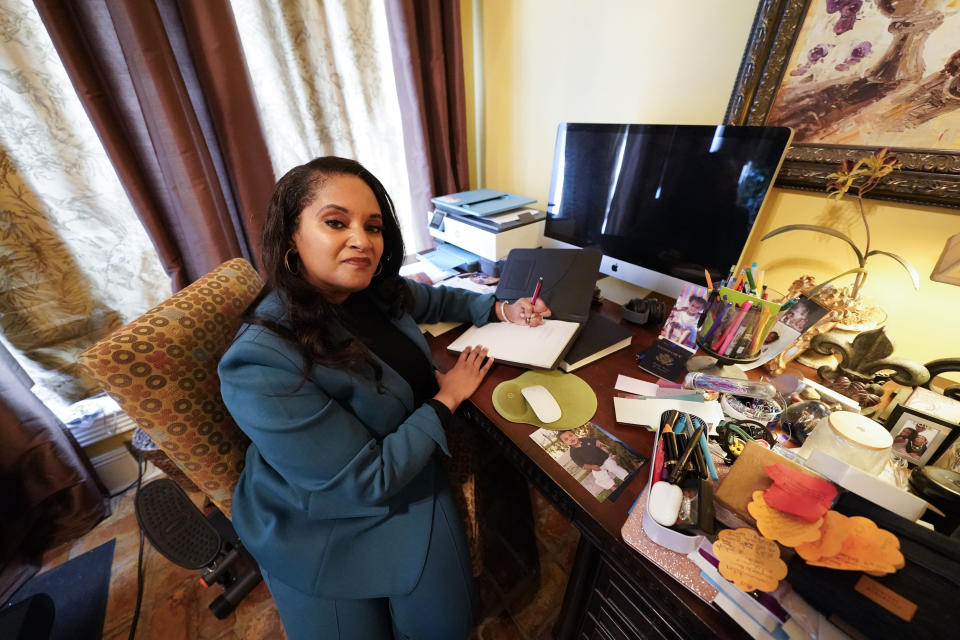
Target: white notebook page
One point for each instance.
(533, 346)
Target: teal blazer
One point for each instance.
(336, 497)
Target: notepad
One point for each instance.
(539, 347)
(600, 337)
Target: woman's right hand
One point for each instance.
(459, 383)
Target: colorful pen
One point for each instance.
(658, 460)
(716, 323)
(681, 423)
(536, 292)
(706, 272)
(728, 336)
(692, 443)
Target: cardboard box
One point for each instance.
(746, 475)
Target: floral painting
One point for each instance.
(874, 73)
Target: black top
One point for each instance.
(589, 452)
(388, 343)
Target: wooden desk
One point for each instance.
(613, 591)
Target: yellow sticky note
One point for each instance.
(833, 531)
(789, 530)
(867, 548)
(748, 560)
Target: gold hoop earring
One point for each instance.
(286, 261)
(379, 269)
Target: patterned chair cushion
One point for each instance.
(162, 370)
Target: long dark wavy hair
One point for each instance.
(309, 317)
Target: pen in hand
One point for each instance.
(536, 294)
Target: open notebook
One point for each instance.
(533, 347)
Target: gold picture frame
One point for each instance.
(930, 176)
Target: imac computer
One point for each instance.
(662, 203)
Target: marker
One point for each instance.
(716, 323)
(739, 281)
(705, 449)
(536, 292)
(728, 336)
(758, 334)
(750, 280)
(687, 452)
(709, 281)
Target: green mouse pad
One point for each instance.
(577, 400)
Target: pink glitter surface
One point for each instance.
(681, 568)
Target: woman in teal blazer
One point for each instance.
(341, 500)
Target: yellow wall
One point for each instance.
(548, 61)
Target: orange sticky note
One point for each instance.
(798, 493)
(787, 529)
(833, 531)
(867, 548)
(749, 561)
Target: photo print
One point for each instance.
(602, 464)
(681, 325)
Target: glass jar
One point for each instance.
(851, 438)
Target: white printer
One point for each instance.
(490, 236)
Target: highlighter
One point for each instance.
(728, 337)
(750, 280)
(716, 323)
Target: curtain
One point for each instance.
(50, 493)
(168, 93)
(75, 263)
(324, 84)
(428, 59)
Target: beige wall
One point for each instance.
(548, 61)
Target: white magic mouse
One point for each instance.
(542, 402)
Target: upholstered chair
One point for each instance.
(162, 371)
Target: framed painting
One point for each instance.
(854, 76)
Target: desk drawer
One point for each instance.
(615, 611)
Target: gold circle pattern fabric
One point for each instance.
(162, 370)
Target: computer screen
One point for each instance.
(662, 202)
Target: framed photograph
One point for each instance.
(918, 436)
(950, 458)
(852, 77)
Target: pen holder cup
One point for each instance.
(733, 332)
(679, 540)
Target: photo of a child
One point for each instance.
(599, 462)
(803, 315)
(681, 326)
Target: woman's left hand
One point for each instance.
(523, 311)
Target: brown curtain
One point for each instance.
(165, 86)
(428, 62)
(50, 493)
